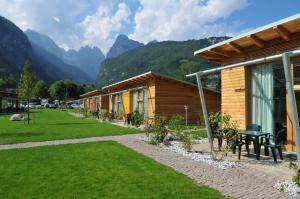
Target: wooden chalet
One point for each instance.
(95, 100)
(255, 91)
(155, 94)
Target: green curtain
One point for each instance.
(262, 91)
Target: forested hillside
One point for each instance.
(173, 58)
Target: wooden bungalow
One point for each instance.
(253, 77)
(95, 100)
(8, 102)
(155, 94)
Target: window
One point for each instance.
(139, 101)
(117, 104)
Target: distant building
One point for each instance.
(8, 102)
(154, 94)
(94, 100)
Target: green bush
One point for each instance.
(185, 138)
(157, 130)
(295, 178)
(138, 118)
(176, 122)
(103, 115)
(222, 127)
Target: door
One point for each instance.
(126, 102)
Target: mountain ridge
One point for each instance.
(15, 48)
(121, 45)
(172, 58)
(87, 59)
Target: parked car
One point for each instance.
(75, 106)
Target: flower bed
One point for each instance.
(288, 187)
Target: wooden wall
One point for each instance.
(170, 98)
(151, 99)
(104, 102)
(234, 95)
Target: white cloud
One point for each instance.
(183, 19)
(68, 21)
(56, 19)
(99, 28)
(74, 23)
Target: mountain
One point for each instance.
(87, 59)
(15, 48)
(55, 68)
(173, 58)
(122, 45)
(44, 42)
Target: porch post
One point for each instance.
(292, 101)
(204, 110)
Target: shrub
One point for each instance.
(138, 118)
(176, 122)
(157, 130)
(222, 127)
(103, 115)
(185, 138)
(295, 178)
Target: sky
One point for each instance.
(76, 23)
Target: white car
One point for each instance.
(75, 105)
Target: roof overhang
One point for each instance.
(8, 94)
(142, 80)
(271, 39)
(92, 93)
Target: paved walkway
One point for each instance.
(240, 182)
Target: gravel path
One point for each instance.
(241, 182)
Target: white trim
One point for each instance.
(271, 25)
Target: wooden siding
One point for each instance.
(151, 99)
(171, 97)
(104, 102)
(234, 95)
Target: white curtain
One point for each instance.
(262, 91)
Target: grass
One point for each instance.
(199, 134)
(55, 124)
(92, 170)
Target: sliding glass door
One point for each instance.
(268, 97)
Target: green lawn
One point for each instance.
(91, 170)
(55, 124)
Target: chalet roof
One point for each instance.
(142, 79)
(92, 93)
(8, 94)
(271, 39)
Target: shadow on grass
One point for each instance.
(24, 135)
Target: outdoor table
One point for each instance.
(256, 135)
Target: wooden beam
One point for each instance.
(257, 41)
(218, 61)
(236, 47)
(212, 56)
(283, 32)
(220, 52)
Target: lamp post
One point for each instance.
(185, 108)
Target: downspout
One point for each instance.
(292, 101)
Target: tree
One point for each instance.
(72, 90)
(57, 90)
(40, 90)
(26, 84)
